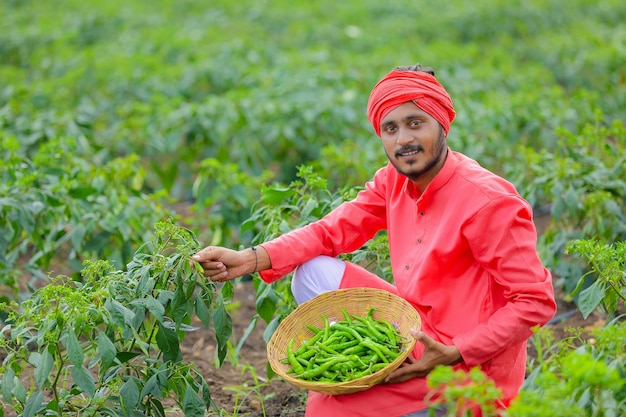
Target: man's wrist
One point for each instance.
(454, 355)
(256, 259)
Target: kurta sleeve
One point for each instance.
(343, 230)
(502, 237)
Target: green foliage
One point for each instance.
(576, 376)
(260, 82)
(249, 388)
(222, 196)
(282, 208)
(58, 205)
(110, 344)
(462, 393)
(608, 267)
(196, 102)
(572, 377)
(583, 180)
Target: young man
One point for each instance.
(462, 244)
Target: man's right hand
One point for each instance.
(223, 264)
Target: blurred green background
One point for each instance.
(208, 101)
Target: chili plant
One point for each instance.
(462, 393)
(282, 208)
(56, 205)
(109, 345)
(608, 267)
(581, 375)
(583, 183)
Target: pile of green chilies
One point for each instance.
(345, 350)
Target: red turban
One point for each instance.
(399, 87)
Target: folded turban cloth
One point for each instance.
(399, 87)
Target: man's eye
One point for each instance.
(415, 123)
(389, 129)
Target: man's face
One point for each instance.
(414, 143)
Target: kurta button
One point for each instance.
(406, 267)
(419, 240)
(421, 213)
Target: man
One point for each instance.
(462, 246)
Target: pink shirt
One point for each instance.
(463, 253)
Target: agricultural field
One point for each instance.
(136, 132)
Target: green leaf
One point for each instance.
(151, 387)
(74, 350)
(153, 306)
(7, 384)
(81, 193)
(571, 199)
(193, 406)
(77, 235)
(223, 330)
(271, 328)
(155, 406)
(84, 380)
(145, 282)
(106, 348)
(179, 305)
(266, 303)
(34, 404)
(274, 196)
(167, 341)
(19, 390)
(206, 394)
(180, 327)
(121, 315)
(42, 371)
(124, 357)
(202, 311)
(228, 292)
(310, 205)
(129, 396)
(590, 298)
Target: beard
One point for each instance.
(439, 152)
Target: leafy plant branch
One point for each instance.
(110, 344)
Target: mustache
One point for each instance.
(405, 149)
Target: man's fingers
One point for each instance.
(422, 337)
(203, 254)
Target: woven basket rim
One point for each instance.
(395, 307)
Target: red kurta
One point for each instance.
(463, 253)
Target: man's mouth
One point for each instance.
(408, 152)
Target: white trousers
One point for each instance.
(319, 275)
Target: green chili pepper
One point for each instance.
(303, 347)
(350, 330)
(295, 365)
(374, 333)
(347, 316)
(315, 372)
(326, 328)
(346, 349)
(385, 353)
(389, 330)
(376, 348)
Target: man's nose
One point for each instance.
(405, 136)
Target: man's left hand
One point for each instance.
(435, 353)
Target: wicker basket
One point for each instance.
(356, 301)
